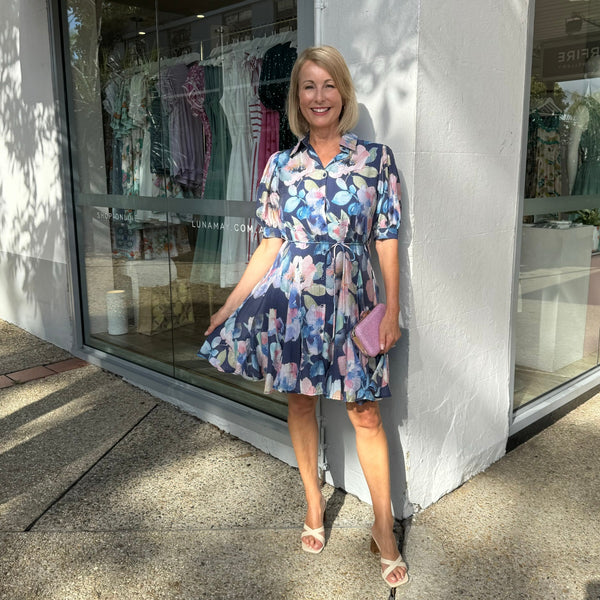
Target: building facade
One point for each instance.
(133, 133)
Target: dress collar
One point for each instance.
(348, 141)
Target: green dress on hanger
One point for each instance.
(587, 180)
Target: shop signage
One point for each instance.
(565, 60)
(237, 227)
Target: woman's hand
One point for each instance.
(389, 330)
(218, 318)
(258, 266)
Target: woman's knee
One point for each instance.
(364, 416)
(301, 405)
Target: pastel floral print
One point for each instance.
(294, 329)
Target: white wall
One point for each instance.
(34, 290)
(443, 85)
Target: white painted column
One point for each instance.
(448, 100)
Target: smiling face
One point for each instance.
(319, 99)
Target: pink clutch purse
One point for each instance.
(366, 332)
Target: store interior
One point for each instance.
(179, 105)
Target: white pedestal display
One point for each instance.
(553, 296)
(148, 273)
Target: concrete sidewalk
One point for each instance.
(109, 493)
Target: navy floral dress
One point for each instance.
(294, 328)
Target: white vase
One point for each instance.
(116, 312)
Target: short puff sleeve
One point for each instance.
(268, 212)
(388, 211)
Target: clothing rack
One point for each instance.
(215, 57)
(254, 28)
(151, 68)
(276, 38)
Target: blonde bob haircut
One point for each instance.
(330, 59)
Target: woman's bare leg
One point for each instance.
(302, 424)
(372, 448)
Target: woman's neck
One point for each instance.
(327, 146)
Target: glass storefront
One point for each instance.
(175, 107)
(558, 307)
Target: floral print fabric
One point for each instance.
(294, 329)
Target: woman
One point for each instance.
(289, 319)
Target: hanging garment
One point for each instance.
(253, 65)
(140, 233)
(126, 237)
(111, 91)
(160, 155)
(294, 329)
(237, 93)
(207, 254)
(186, 134)
(194, 88)
(139, 114)
(544, 164)
(277, 65)
(131, 132)
(269, 138)
(587, 180)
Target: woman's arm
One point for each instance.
(258, 266)
(389, 330)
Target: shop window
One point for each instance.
(558, 309)
(174, 114)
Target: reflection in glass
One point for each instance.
(558, 308)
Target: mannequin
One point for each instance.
(586, 179)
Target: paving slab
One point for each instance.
(30, 374)
(53, 430)
(67, 365)
(5, 381)
(174, 471)
(202, 565)
(21, 350)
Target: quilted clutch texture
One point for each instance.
(366, 332)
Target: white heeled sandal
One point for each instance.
(389, 565)
(318, 533)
